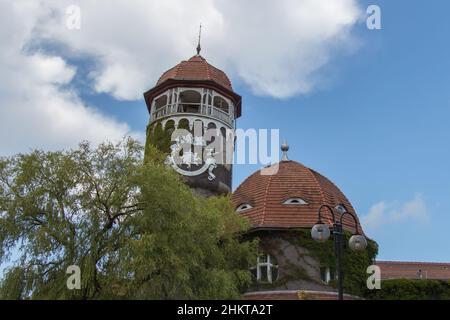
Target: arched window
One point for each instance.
(190, 101)
(266, 270)
(169, 126)
(341, 208)
(243, 207)
(207, 97)
(221, 103)
(161, 102)
(183, 124)
(295, 201)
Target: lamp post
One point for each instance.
(321, 233)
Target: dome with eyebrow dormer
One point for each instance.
(290, 198)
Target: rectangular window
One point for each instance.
(323, 274)
(264, 275)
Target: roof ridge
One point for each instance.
(343, 195)
(208, 73)
(227, 78)
(266, 192)
(179, 67)
(310, 171)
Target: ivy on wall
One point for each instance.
(160, 137)
(354, 263)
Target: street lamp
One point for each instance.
(321, 233)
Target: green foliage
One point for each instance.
(160, 138)
(187, 244)
(135, 230)
(13, 287)
(411, 289)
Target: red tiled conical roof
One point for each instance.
(196, 68)
(266, 194)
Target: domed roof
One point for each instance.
(196, 68)
(266, 194)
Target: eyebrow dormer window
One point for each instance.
(244, 207)
(341, 208)
(295, 201)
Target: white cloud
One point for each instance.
(36, 110)
(383, 213)
(275, 47)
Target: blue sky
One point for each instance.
(380, 130)
(375, 120)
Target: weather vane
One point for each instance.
(199, 48)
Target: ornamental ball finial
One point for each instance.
(284, 149)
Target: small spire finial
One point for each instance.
(284, 149)
(199, 48)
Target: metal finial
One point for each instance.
(199, 48)
(284, 149)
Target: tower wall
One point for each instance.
(191, 108)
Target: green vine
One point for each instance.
(354, 263)
(160, 138)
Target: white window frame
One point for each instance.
(244, 207)
(338, 208)
(299, 202)
(269, 265)
(328, 275)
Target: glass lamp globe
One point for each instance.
(357, 242)
(320, 232)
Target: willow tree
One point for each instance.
(135, 230)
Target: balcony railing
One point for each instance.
(192, 108)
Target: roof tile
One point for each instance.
(267, 193)
(196, 68)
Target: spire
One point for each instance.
(284, 149)
(199, 48)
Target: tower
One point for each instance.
(194, 96)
